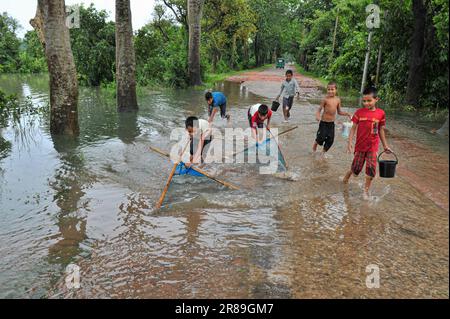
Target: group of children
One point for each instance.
(368, 124)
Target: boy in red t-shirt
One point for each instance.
(369, 124)
(257, 115)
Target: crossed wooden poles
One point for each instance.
(198, 170)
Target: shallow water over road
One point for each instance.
(90, 202)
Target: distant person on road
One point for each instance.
(369, 125)
(216, 101)
(289, 88)
(326, 115)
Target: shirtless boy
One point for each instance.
(326, 115)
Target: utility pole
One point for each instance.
(377, 78)
(335, 34)
(372, 22)
(366, 62)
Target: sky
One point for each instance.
(24, 10)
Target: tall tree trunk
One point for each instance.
(125, 58)
(417, 56)
(50, 24)
(256, 51)
(194, 20)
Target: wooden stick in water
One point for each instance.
(197, 170)
(169, 180)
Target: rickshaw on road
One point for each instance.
(280, 63)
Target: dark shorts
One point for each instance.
(260, 125)
(370, 158)
(207, 141)
(288, 102)
(223, 110)
(325, 135)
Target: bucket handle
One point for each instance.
(396, 158)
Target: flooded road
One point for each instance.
(90, 202)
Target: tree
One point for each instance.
(50, 24)
(9, 44)
(125, 58)
(417, 56)
(194, 20)
(94, 47)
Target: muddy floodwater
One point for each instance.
(90, 202)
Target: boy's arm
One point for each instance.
(198, 152)
(297, 88)
(213, 114)
(268, 124)
(350, 138)
(319, 110)
(384, 141)
(342, 113)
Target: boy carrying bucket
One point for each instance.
(289, 88)
(369, 125)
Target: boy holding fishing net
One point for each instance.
(200, 135)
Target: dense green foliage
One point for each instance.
(9, 44)
(241, 34)
(93, 47)
(394, 37)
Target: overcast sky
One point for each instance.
(24, 10)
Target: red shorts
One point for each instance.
(370, 158)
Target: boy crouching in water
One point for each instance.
(200, 135)
(330, 106)
(257, 115)
(369, 125)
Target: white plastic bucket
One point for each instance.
(346, 127)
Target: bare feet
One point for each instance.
(347, 177)
(366, 195)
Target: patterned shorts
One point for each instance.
(370, 158)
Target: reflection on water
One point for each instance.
(90, 200)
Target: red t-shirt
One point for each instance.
(369, 125)
(256, 121)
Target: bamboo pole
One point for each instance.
(169, 180)
(229, 185)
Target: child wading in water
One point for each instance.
(257, 115)
(290, 87)
(330, 106)
(200, 136)
(216, 101)
(369, 125)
